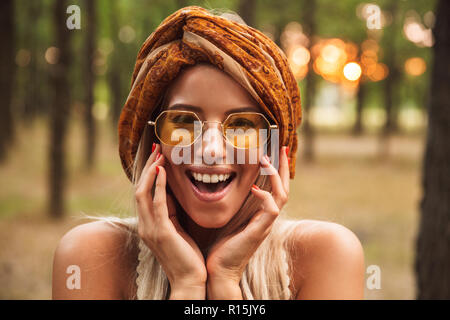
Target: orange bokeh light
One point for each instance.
(330, 57)
(380, 73)
(300, 56)
(415, 66)
(352, 50)
(352, 71)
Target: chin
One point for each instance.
(212, 224)
(207, 220)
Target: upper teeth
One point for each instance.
(210, 178)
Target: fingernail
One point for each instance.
(289, 161)
(153, 147)
(157, 170)
(255, 187)
(287, 151)
(158, 155)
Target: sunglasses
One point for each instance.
(244, 130)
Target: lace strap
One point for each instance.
(143, 258)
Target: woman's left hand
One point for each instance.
(227, 258)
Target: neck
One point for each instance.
(204, 237)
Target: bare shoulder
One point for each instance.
(92, 261)
(328, 261)
(324, 235)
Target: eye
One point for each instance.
(241, 122)
(183, 118)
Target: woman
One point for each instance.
(206, 89)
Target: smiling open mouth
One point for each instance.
(210, 183)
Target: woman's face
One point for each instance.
(212, 95)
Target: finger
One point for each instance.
(143, 209)
(160, 211)
(143, 192)
(270, 210)
(148, 179)
(284, 168)
(278, 191)
(156, 149)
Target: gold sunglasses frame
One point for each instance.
(271, 126)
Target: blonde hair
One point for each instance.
(268, 272)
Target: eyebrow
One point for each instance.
(183, 106)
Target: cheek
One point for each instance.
(166, 150)
(175, 173)
(248, 175)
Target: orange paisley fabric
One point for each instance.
(192, 35)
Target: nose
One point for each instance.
(212, 143)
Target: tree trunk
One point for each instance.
(59, 111)
(390, 124)
(33, 94)
(247, 11)
(309, 24)
(433, 242)
(116, 84)
(116, 95)
(360, 98)
(278, 30)
(90, 32)
(7, 70)
(390, 83)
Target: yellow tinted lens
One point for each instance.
(246, 130)
(177, 127)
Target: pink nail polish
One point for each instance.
(157, 170)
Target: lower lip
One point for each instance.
(211, 196)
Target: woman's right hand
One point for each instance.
(159, 228)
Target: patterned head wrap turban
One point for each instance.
(192, 35)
